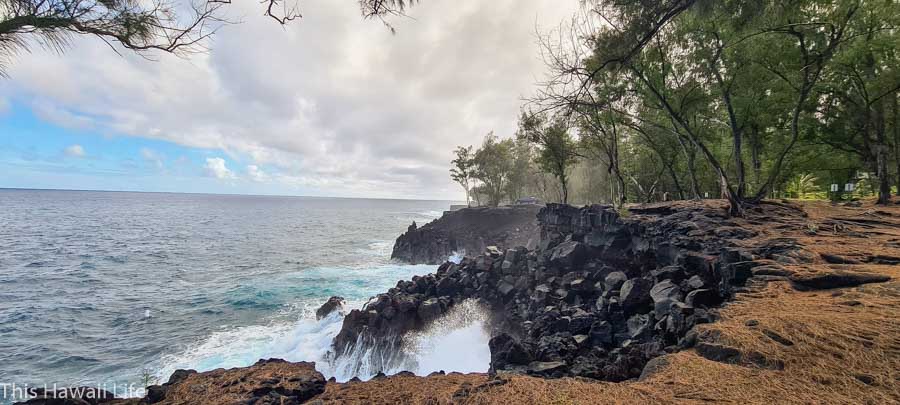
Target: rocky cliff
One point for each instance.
(598, 297)
(467, 231)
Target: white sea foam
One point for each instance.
(456, 342)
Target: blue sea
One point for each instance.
(114, 287)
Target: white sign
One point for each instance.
(834, 187)
(849, 187)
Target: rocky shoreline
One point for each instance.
(468, 231)
(602, 296)
(599, 297)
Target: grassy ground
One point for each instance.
(837, 346)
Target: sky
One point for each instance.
(330, 105)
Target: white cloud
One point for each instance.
(215, 167)
(153, 157)
(331, 101)
(256, 174)
(75, 151)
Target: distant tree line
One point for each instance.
(683, 99)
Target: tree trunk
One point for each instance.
(755, 149)
(881, 156)
(896, 138)
(692, 168)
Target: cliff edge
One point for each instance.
(468, 232)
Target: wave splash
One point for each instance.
(458, 341)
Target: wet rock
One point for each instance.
(429, 310)
(506, 351)
(333, 304)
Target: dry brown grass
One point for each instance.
(845, 343)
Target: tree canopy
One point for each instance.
(675, 99)
(179, 27)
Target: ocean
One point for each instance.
(121, 288)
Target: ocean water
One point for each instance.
(108, 287)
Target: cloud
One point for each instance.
(256, 174)
(215, 167)
(331, 101)
(152, 157)
(75, 151)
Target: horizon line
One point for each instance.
(220, 194)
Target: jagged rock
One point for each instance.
(615, 280)
(568, 254)
(695, 283)
(272, 381)
(674, 273)
(429, 310)
(447, 287)
(571, 302)
(664, 294)
(467, 231)
(545, 368)
(506, 351)
(333, 304)
(638, 326)
(505, 289)
(703, 298)
(601, 333)
(635, 293)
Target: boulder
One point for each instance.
(635, 293)
(664, 294)
(614, 280)
(568, 254)
(505, 289)
(429, 310)
(695, 283)
(718, 352)
(546, 368)
(703, 298)
(333, 304)
(601, 333)
(506, 351)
